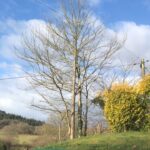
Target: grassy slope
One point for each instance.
(123, 141)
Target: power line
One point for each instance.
(48, 6)
(131, 52)
(19, 77)
(28, 76)
(127, 65)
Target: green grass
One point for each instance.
(122, 141)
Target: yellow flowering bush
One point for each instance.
(125, 109)
(143, 86)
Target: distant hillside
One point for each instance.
(7, 116)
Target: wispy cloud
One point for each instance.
(94, 2)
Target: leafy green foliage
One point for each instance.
(98, 100)
(143, 87)
(124, 108)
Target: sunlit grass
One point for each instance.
(122, 141)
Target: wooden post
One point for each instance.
(142, 66)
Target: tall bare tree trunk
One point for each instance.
(72, 132)
(86, 112)
(69, 130)
(80, 122)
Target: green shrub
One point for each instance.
(125, 109)
(143, 87)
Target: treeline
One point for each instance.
(7, 116)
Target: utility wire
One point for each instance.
(48, 6)
(28, 76)
(131, 52)
(128, 65)
(25, 76)
(9, 78)
(19, 77)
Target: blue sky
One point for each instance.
(110, 11)
(113, 11)
(129, 17)
(25, 9)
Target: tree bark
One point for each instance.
(59, 132)
(80, 122)
(72, 132)
(86, 113)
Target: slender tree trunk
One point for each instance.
(72, 132)
(59, 132)
(86, 113)
(69, 130)
(68, 123)
(80, 123)
(86, 121)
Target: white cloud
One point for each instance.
(136, 47)
(11, 35)
(13, 97)
(137, 42)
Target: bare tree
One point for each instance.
(67, 56)
(59, 121)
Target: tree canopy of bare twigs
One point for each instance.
(67, 57)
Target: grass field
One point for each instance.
(18, 139)
(122, 141)
(25, 139)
